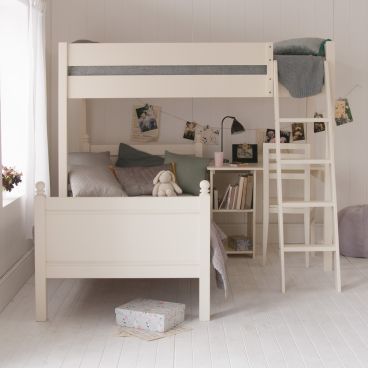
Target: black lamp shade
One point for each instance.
(236, 127)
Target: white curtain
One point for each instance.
(37, 166)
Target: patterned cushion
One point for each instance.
(138, 181)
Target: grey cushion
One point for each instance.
(98, 181)
(301, 46)
(137, 181)
(189, 171)
(131, 157)
(353, 231)
(89, 159)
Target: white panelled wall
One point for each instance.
(219, 20)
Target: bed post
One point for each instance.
(198, 149)
(84, 142)
(204, 269)
(62, 118)
(40, 252)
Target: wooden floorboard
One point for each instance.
(256, 326)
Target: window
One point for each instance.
(14, 87)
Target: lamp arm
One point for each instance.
(222, 130)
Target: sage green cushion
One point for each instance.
(131, 157)
(189, 171)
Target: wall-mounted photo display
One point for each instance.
(343, 112)
(245, 153)
(319, 126)
(271, 136)
(298, 132)
(145, 123)
(190, 130)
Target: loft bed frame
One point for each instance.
(101, 237)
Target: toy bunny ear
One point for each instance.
(155, 180)
(173, 178)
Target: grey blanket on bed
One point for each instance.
(302, 75)
(219, 257)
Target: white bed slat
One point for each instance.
(103, 54)
(168, 86)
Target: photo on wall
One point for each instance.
(319, 126)
(190, 130)
(245, 153)
(271, 136)
(298, 133)
(145, 123)
(207, 135)
(343, 112)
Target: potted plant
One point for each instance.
(10, 178)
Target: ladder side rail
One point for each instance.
(332, 177)
(278, 171)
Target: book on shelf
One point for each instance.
(215, 199)
(240, 192)
(223, 203)
(234, 196)
(230, 196)
(244, 192)
(249, 194)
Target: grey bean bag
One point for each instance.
(353, 231)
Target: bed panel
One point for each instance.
(168, 86)
(214, 53)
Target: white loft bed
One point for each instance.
(103, 237)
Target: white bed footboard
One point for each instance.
(131, 237)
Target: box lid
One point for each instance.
(151, 306)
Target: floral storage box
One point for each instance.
(150, 315)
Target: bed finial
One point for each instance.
(40, 188)
(205, 187)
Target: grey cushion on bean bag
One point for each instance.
(353, 231)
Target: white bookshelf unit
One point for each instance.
(229, 174)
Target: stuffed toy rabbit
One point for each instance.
(165, 185)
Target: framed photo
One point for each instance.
(245, 153)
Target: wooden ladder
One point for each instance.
(329, 204)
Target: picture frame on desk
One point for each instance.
(245, 153)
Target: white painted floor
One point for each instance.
(257, 326)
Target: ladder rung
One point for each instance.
(307, 204)
(304, 120)
(309, 248)
(306, 162)
(294, 211)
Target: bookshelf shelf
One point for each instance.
(234, 211)
(244, 220)
(231, 251)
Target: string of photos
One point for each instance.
(146, 125)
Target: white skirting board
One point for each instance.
(14, 279)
